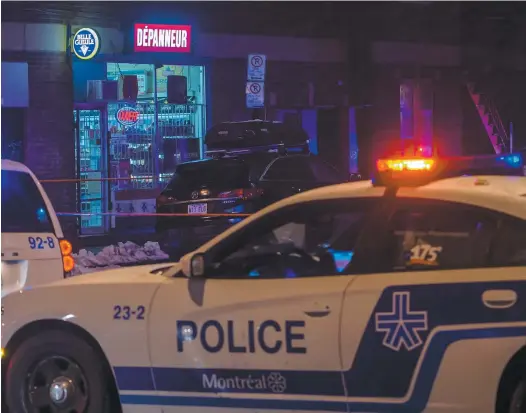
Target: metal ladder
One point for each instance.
(490, 117)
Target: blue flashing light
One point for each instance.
(513, 160)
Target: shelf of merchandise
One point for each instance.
(90, 154)
(131, 147)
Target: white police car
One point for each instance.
(34, 250)
(407, 295)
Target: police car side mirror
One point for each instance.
(191, 266)
(197, 265)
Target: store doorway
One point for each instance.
(91, 168)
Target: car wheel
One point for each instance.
(518, 399)
(57, 372)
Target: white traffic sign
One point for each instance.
(255, 92)
(256, 67)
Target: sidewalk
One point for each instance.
(96, 242)
(140, 236)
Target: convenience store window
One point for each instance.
(163, 135)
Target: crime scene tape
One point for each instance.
(143, 178)
(147, 214)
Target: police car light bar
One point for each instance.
(405, 164)
(415, 171)
(275, 148)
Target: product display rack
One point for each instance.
(180, 130)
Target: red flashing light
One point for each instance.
(400, 165)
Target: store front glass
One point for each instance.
(140, 143)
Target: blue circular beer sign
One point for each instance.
(86, 43)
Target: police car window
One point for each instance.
(510, 246)
(294, 168)
(313, 239)
(439, 235)
(23, 208)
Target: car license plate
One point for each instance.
(197, 209)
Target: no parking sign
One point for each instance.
(256, 67)
(255, 92)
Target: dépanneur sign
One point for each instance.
(162, 38)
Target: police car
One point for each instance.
(402, 294)
(34, 250)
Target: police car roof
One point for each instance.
(506, 194)
(501, 193)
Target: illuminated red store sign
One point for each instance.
(127, 116)
(162, 38)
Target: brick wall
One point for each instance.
(49, 147)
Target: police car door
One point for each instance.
(436, 328)
(261, 331)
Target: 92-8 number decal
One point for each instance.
(125, 312)
(37, 243)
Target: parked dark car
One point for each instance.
(241, 178)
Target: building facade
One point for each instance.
(68, 116)
(73, 113)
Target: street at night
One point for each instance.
(263, 207)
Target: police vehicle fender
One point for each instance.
(112, 306)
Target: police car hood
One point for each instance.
(125, 275)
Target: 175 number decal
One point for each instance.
(37, 243)
(125, 312)
(425, 254)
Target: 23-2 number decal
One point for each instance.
(37, 243)
(125, 312)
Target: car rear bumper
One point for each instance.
(188, 222)
(219, 214)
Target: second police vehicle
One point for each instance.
(34, 250)
(402, 294)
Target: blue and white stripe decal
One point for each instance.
(453, 312)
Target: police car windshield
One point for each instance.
(23, 208)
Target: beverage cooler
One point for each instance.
(133, 142)
(141, 149)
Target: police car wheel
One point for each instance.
(57, 372)
(518, 399)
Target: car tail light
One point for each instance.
(242, 193)
(68, 262)
(163, 200)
